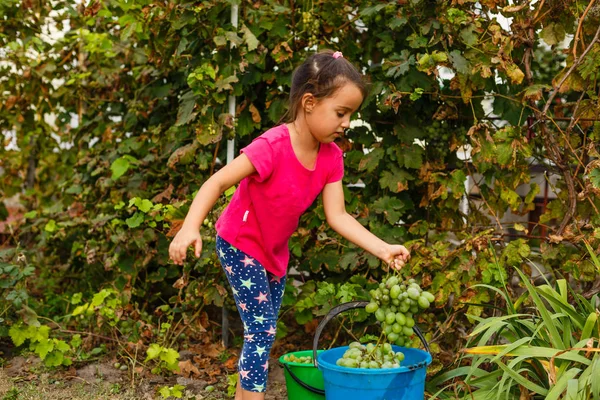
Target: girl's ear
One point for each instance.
(308, 102)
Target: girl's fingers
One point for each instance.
(198, 247)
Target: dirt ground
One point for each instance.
(25, 378)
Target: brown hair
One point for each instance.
(321, 75)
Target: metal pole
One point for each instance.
(230, 154)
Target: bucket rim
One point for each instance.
(367, 371)
(295, 364)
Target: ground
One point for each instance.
(25, 378)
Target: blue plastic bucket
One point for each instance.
(404, 383)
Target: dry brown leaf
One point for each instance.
(187, 369)
(175, 227)
(164, 195)
(231, 363)
(255, 114)
(181, 282)
(555, 238)
(402, 186)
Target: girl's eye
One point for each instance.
(340, 115)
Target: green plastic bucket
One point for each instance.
(303, 381)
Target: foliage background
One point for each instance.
(139, 95)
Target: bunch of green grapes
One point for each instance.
(395, 304)
(311, 27)
(300, 360)
(441, 133)
(371, 356)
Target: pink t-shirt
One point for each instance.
(266, 207)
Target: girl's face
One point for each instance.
(327, 118)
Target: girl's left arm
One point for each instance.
(347, 226)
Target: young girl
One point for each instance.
(280, 174)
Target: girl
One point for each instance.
(280, 174)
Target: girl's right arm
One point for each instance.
(205, 199)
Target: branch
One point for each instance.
(576, 63)
(576, 40)
(539, 9)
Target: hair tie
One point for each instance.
(338, 54)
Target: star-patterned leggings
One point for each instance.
(257, 294)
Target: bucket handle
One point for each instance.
(303, 384)
(350, 306)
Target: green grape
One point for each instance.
(395, 291)
(372, 307)
(390, 317)
(400, 318)
(430, 297)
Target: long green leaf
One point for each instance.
(521, 380)
(488, 381)
(590, 324)
(593, 255)
(511, 347)
(437, 380)
(594, 375)
(555, 338)
(562, 306)
(561, 384)
(530, 352)
(572, 390)
(492, 322)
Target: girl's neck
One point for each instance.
(301, 135)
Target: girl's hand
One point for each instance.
(396, 256)
(184, 239)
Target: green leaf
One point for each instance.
(555, 338)
(50, 226)
(165, 392)
(372, 10)
(144, 205)
(416, 41)
(595, 178)
(397, 22)
(561, 384)
(119, 167)
(80, 309)
(76, 298)
(553, 33)
(395, 180)
(416, 94)
(171, 357)
(521, 380)
(43, 347)
(99, 297)
(468, 35)
(135, 220)
(250, 39)
(18, 334)
(390, 207)
(61, 345)
(76, 341)
(154, 351)
(30, 214)
(588, 328)
(595, 372)
(54, 359)
(186, 107)
(371, 160)
(460, 64)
